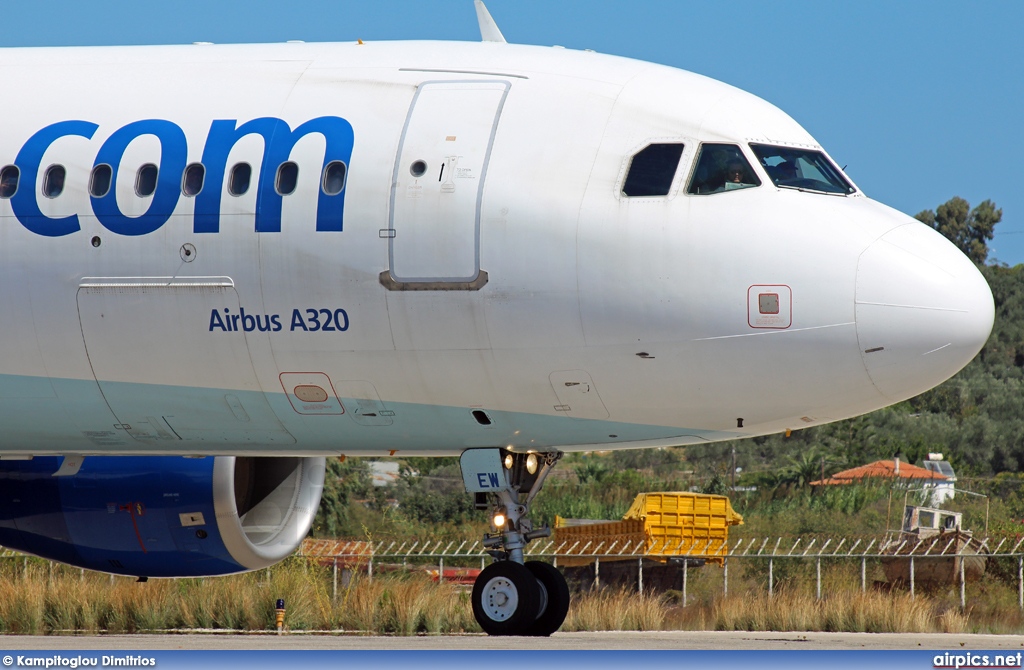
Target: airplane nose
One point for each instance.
(923, 310)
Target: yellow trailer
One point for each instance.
(657, 526)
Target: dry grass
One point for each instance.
(615, 610)
(35, 600)
(22, 609)
(405, 605)
(39, 599)
(952, 621)
(870, 612)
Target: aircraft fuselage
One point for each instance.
(474, 274)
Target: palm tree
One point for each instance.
(808, 466)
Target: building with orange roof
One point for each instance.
(927, 477)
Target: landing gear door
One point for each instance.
(438, 184)
(482, 471)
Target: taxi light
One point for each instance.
(531, 464)
(508, 461)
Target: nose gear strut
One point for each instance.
(508, 599)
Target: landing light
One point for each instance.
(508, 461)
(531, 464)
(498, 519)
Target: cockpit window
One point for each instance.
(721, 167)
(801, 169)
(652, 169)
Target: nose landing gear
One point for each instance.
(512, 596)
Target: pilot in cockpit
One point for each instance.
(786, 171)
(736, 176)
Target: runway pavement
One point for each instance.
(567, 641)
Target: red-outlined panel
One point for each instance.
(770, 306)
(301, 389)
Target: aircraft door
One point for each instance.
(438, 184)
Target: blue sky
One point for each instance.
(921, 99)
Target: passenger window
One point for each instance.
(99, 180)
(192, 181)
(334, 178)
(238, 181)
(652, 169)
(145, 180)
(287, 178)
(9, 181)
(721, 167)
(53, 181)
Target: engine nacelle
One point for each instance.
(161, 516)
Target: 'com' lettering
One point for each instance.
(279, 139)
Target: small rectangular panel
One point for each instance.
(189, 519)
(770, 306)
(768, 303)
(311, 393)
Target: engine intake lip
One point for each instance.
(265, 505)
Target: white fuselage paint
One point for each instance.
(108, 349)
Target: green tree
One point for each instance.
(969, 229)
(806, 467)
(716, 486)
(344, 483)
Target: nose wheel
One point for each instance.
(505, 598)
(514, 599)
(554, 600)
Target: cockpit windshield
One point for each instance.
(802, 169)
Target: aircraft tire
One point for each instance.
(506, 597)
(554, 599)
